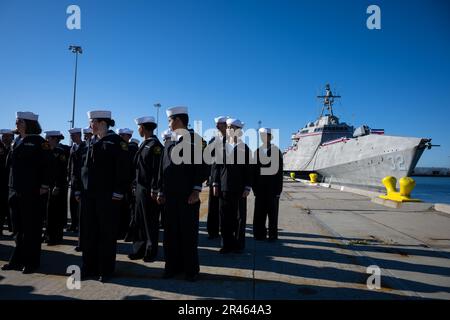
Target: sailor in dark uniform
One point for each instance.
(145, 219)
(232, 183)
(267, 187)
(133, 147)
(126, 210)
(57, 205)
(105, 178)
(77, 185)
(166, 137)
(29, 184)
(5, 148)
(181, 176)
(87, 134)
(74, 156)
(218, 141)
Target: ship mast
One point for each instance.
(328, 100)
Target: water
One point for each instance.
(432, 189)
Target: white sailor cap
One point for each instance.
(53, 133)
(87, 130)
(265, 130)
(176, 110)
(75, 130)
(99, 114)
(6, 131)
(26, 115)
(125, 131)
(134, 141)
(235, 122)
(166, 134)
(221, 119)
(142, 120)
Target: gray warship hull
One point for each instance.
(342, 155)
(361, 162)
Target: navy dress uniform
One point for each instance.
(178, 179)
(126, 210)
(87, 134)
(73, 161)
(267, 188)
(105, 178)
(233, 176)
(30, 174)
(133, 147)
(213, 220)
(79, 159)
(57, 202)
(146, 218)
(166, 137)
(5, 148)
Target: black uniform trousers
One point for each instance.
(213, 221)
(181, 236)
(161, 216)
(146, 223)
(82, 213)
(126, 207)
(266, 206)
(27, 215)
(74, 213)
(99, 237)
(4, 210)
(56, 216)
(233, 218)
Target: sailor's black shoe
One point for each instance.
(10, 266)
(191, 277)
(29, 270)
(225, 250)
(168, 274)
(135, 256)
(150, 258)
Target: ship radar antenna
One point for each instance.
(328, 100)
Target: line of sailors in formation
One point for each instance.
(119, 190)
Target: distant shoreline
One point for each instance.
(431, 175)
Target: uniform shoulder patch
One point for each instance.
(124, 146)
(157, 150)
(45, 146)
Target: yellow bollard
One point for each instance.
(407, 184)
(313, 177)
(293, 175)
(389, 183)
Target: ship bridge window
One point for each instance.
(318, 130)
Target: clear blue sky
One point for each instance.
(253, 59)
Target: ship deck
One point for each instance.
(327, 239)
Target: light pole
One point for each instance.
(157, 106)
(77, 50)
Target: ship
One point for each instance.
(344, 155)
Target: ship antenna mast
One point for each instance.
(328, 100)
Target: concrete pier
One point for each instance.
(327, 240)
